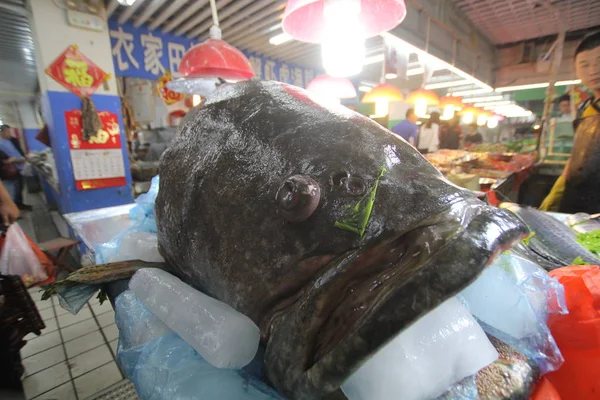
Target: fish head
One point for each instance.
(327, 230)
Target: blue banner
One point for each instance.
(141, 53)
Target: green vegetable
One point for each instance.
(590, 241)
(579, 261)
(360, 214)
(528, 238)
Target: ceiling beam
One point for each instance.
(15, 9)
(124, 17)
(182, 16)
(112, 6)
(147, 13)
(254, 25)
(202, 17)
(173, 7)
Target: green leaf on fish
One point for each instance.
(591, 241)
(579, 261)
(360, 214)
(528, 238)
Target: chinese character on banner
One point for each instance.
(153, 51)
(176, 52)
(168, 96)
(269, 74)
(256, 63)
(284, 73)
(297, 77)
(76, 72)
(97, 162)
(124, 43)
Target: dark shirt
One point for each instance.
(474, 138)
(450, 137)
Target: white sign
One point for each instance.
(84, 20)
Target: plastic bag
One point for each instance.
(163, 366)
(512, 299)
(18, 258)
(578, 333)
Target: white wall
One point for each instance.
(52, 35)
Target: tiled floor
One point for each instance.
(74, 358)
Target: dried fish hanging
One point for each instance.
(90, 120)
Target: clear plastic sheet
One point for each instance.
(511, 300)
(163, 366)
(18, 258)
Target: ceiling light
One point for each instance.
(274, 28)
(536, 126)
(490, 104)
(365, 89)
(470, 92)
(280, 39)
(566, 83)
(126, 3)
(482, 99)
(522, 87)
(382, 95)
(441, 85)
(416, 71)
(492, 122)
(390, 75)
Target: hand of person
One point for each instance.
(9, 212)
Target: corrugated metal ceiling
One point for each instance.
(510, 21)
(246, 24)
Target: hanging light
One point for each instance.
(305, 20)
(483, 117)
(341, 26)
(382, 95)
(469, 114)
(329, 86)
(208, 63)
(492, 121)
(421, 99)
(449, 105)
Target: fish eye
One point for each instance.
(298, 197)
(354, 185)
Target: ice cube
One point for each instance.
(439, 349)
(137, 246)
(496, 299)
(223, 336)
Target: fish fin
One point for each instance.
(96, 275)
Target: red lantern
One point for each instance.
(215, 58)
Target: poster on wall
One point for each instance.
(139, 93)
(97, 163)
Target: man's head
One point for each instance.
(5, 131)
(587, 62)
(411, 116)
(564, 104)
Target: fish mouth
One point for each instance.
(365, 297)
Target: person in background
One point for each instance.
(587, 68)
(16, 158)
(450, 134)
(408, 128)
(473, 137)
(564, 107)
(9, 212)
(429, 137)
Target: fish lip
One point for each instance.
(301, 374)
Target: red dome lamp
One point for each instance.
(304, 20)
(325, 85)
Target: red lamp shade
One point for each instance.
(453, 101)
(429, 96)
(215, 58)
(304, 19)
(383, 91)
(341, 88)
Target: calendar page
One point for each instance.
(97, 162)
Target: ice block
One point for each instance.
(441, 348)
(221, 335)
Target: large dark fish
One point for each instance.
(553, 244)
(328, 231)
(582, 187)
(332, 234)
